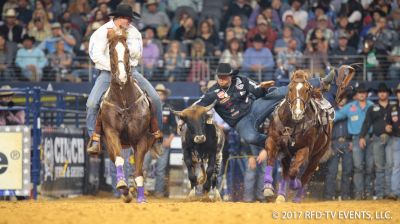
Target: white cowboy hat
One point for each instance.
(6, 93)
(161, 88)
(10, 13)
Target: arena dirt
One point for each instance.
(102, 210)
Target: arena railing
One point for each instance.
(193, 70)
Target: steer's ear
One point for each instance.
(209, 107)
(177, 113)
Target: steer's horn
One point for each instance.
(177, 113)
(209, 107)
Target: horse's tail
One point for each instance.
(202, 179)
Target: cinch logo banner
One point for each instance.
(15, 160)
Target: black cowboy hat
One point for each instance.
(27, 37)
(224, 69)
(361, 88)
(258, 38)
(382, 87)
(124, 10)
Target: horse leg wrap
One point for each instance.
(295, 184)
(140, 189)
(282, 187)
(268, 175)
(299, 195)
(119, 163)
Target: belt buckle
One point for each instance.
(341, 140)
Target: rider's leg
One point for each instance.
(246, 129)
(92, 107)
(156, 122)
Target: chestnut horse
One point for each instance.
(125, 116)
(297, 131)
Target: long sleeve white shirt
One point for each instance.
(99, 47)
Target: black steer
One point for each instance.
(202, 142)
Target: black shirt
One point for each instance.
(393, 119)
(168, 119)
(234, 102)
(376, 116)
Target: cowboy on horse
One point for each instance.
(100, 55)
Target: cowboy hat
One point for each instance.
(7, 91)
(27, 37)
(224, 69)
(361, 88)
(161, 88)
(151, 2)
(382, 87)
(10, 13)
(398, 88)
(124, 10)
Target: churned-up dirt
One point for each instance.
(104, 210)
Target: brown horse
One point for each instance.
(125, 116)
(297, 131)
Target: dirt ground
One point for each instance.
(102, 210)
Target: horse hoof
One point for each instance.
(217, 196)
(121, 185)
(280, 199)
(141, 200)
(127, 198)
(295, 184)
(296, 200)
(268, 190)
(192, 194)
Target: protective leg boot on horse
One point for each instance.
(268, 180)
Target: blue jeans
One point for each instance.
(101, 85)
(254, 183)
(341, 151)
(396, 166)
(383, 159)
(363, 163)
(161, 171)
(261, 108)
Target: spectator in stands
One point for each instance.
(317, 53)
(82, 63)
(371, 20)
(70, 30)
(61, 63)
(341, 150)
(342, 54)
(322, 25)
(10, 29)
(174, 5)
(186, 30)
(100, 12)
(49, 44)
(375, 59)
(258, 60)
(31, 60)
(78, 11)
(199, 69)
(23, 12)
(39, 15)
(363, 160)
(150, 56)
(319, 10)
(238, 27)
(174, 61)
(9, 117)
(394, 69)
(169, 129)
(53, 8)
(271, 13)
(288, 20)
(93, 27)
(209, 37)
(10, 4)
(300, 16)
(153, 17)
(354, 12)
(229, 35)
(282, 43)
(394, 22)
(40, 6)
(233, 54)
(384, 37)
(264, 29)
(343, 26)
(238, 7)
(253, 176)
(7, 55)
(288, 60)
(40, 31)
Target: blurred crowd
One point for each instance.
(184, 40)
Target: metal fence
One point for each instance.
(194, 70)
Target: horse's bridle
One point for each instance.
(290, 102)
